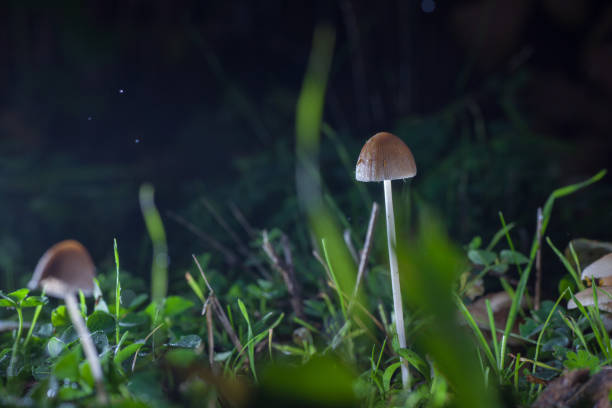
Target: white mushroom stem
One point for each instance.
(395, 280)
(88, 347)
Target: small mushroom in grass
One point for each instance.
(500, 306)
(598, 274)
(62, 271)
(385, 157)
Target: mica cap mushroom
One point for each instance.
(598, 274)
(61, 272)
(65, 267)
(385, 157)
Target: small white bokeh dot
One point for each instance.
(136, 141)
(121, 90)
(428, 6)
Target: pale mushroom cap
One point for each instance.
(500, 305)
(385, 157)
(65, 267)
(585, 297)
(601, 268)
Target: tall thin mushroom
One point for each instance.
(62, 271)
(385, 157)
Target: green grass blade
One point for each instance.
(250, 346)
(493, 331)
(155, 227)
(333, 276)
(117, 292)
(546, 322)
(566, 263)
(477, 332)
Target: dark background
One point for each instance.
(501, 102)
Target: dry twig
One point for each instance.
(285, 268)
(367, 246)
(538, 284)
(349, 244)
(216, 305)
(225, 226)
(230, 257)
(211, 339)
(317, 256)
(242, 220)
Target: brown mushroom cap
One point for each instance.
(601, 268)
(65, 267)
(385, 157)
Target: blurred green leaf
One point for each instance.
(59, 316)
(132, 320)
(175, 305)
(417, 362)
(388, 374)
(190, 341)
(481, 256)
(320, 381)
(67, 366)
(500, 268)
(85, 373)
(68, 393)
(100, 340)
(55, 346)
(181, 358)
(101, 321)
(7, 303)
(19, 295)
(581, 359)
(430, 265)
(138, 301)
(475, 243)
(33, 301)
(529, 328)
(126, 352)
(513, 257)
(144, 385)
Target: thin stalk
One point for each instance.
(366, 247)
(88, 347)
(34, 319)
(11, 367)
(395, 280)
(538, 284)
(211, 338)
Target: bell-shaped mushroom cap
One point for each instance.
(601, 268)
(385, 157)
(65, 267)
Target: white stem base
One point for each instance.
(395, 280)
(88, 347)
